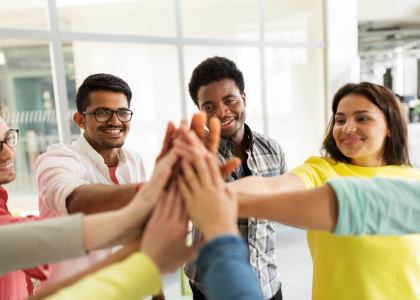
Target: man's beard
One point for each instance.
(106, 144)
(8, 178)
(111, 146)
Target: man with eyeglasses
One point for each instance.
(95, 173)
(17, 284)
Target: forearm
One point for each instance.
(108, 229)
(226, 270)
(130, 248)
(377, 206)
(40, 242)
(133, 278)
(254, 185)
(315, 209)
(94, 198)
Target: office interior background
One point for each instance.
(294, 55)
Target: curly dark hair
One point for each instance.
(214, 69)
(396, 146)
(100, 82)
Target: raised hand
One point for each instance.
(146, 198)
(210, 203)
(164, 238)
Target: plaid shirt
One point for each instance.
(265, 159)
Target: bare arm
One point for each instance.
(315, 209)
(254, 185)
(94, 198)
(117, 257)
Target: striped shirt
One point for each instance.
(265, 159)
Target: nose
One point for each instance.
(350, 126)
(7, 153)
(221, 111)
(114, 120)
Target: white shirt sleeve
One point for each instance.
(57, 177)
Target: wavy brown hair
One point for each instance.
(396, 145)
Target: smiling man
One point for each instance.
(217, 88)
(95, 173)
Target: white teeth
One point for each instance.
(113, 131)
(223, 124)
(6, 166)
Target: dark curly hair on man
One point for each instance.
(214, 69)
(100, 82)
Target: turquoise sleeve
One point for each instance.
(377, 206)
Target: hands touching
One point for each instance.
(205, 197)
(164, 238)
(210, 203)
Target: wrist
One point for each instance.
(215, 231)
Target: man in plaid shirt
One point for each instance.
(217, 88)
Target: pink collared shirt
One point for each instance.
(61, 170)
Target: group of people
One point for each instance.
(233, 184)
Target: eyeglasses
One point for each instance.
(11, 140)
(103, 116)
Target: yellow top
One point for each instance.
(366, 267)
(132, 279)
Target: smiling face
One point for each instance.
(360, 130)
(7, 156)
(110, 134)
(222, 99)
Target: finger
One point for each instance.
(157, 211)
(163, 171)
(185, 192)
(183, 125)
(214, 170)
(177, 209)
(170, 202)
(202, 169)
(230, 166)
(167, 141)
(191, 179)
(197, 125)
(183, 149)
(214, 135)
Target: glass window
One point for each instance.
(132, 17)
(23, 14)
(295, 21)
(295, 101)
(152, 73)
(27, 96)
(220, 19)
(247, 60)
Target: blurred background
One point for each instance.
(294, 55)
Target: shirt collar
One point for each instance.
(225, 144)
(94, 156)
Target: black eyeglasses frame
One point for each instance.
(110, 117)
(5, 140)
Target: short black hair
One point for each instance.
(100, 82)
(214, 69)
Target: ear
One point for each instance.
(388, 133)
(79, 119)
(244, 99)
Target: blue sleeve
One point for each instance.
(377, 206)
(227, 274)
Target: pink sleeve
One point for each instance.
(57, 177)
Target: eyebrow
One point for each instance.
(107, 108)
(355, 113)
(228, 96)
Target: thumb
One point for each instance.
(230, 166)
